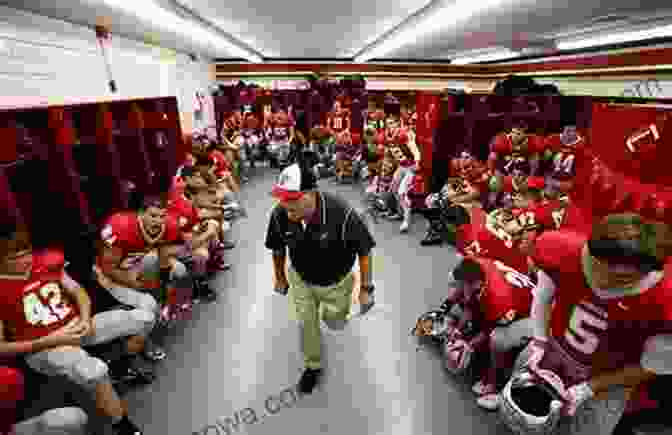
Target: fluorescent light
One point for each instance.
(162, 18)
(488, 57)
(438, 19)
(615, 38)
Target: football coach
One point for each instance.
(324, 236)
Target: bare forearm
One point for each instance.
(628, 377)
(18, 348)
(471, 196)
(201, 239)
(121, 277)
(365, 270)
(83, 302)
(279, 264)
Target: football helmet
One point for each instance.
(532, 400)
(435, 324)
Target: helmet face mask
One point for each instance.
(529, 406)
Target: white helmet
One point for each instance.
(532, 400)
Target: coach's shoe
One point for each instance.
(126, 427)
(309, 380)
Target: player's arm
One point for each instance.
(9, 349)
(80, 296)
(112, 257)
(211, 229)
(656, 360)
(472, 195)
(292, 133)
(542, 302)
(276, 244)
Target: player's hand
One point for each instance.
(135, 278)
(82, 327)
(69, 335)
(577, 395)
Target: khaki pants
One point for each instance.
(309, 304)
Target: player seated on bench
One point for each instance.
(45, 317)
(135, 259)
(67, 421)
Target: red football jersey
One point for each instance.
(476, 239)
(337, 122)
(598, 331)
(222, 166)
(35, 305)
(185, 213)
(507, 293)
(124, 232)
(545, 215)
(177, 188)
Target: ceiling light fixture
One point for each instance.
(150, 11)
(615, 38)
(487, 57)
(438, 16)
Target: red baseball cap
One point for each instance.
(293, 182)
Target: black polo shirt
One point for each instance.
(325, 250)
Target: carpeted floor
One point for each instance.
(243, 351)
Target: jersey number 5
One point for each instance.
(578, 336)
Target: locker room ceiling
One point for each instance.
(338, 29)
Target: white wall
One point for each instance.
(46, 61)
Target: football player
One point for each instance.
(251, 138)
(487, 304)
(210, 213)
(69, 421)
(370, 153)
(516, 152)
(401, 185)
(602, 323)
(137, 257)
(451, 207)
(281, 135)
(199, 236)
(338, 120)
(45, 317)
(344, 155)
(563, 169)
